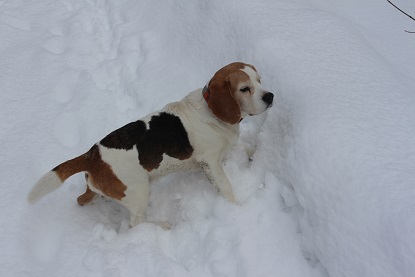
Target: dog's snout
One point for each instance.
(268, 98)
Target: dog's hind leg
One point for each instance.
(88, 196)
(138, 205)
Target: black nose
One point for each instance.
(268, 97)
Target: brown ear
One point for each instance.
(222, 102)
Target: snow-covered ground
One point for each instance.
(330, 190)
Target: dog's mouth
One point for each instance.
(268, 106)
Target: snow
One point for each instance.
(329, 190)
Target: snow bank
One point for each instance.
(343, 139)
(328, 192)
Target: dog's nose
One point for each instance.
(268, 97)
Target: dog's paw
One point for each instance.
(230, 197)
(163, 224)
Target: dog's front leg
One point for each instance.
(216, 175)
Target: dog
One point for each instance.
(195, 132)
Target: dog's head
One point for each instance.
(236, 91)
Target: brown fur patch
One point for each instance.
(222, 89)
(73, 166)
(87, 197)
(125, 137)
(103, 178)
(100, 174)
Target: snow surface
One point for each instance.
(329, 191)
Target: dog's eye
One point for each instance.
(245, 89)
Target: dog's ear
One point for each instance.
(222, 100)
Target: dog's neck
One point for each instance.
(206, 93)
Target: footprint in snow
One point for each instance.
(18, 23)
(55, 45)
(67, 130)
(46, 242)
(94, 259)
(104, 232)
(65, 85)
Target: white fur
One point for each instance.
(46, 184)
(252, 103)
(210, 138)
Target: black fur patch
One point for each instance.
(166, 134)
(125, 137)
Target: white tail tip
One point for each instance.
(48, 183)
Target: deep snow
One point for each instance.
(329, 191)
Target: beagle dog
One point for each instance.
(195, 132)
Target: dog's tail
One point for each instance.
(55, 178)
